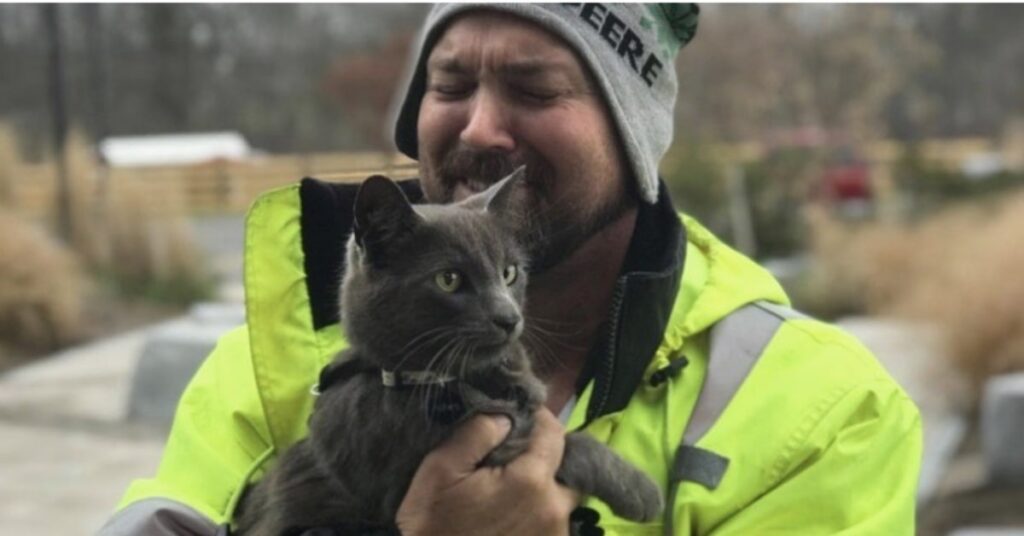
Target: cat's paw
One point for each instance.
(515, 444)
(593, 469)
(641, 499)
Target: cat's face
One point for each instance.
(437, 287)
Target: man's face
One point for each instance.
(501, 92)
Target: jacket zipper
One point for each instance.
(602, 389)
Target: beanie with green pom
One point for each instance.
(629, 48)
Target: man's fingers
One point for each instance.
(547, 443)
(466, 448)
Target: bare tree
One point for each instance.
(757, 68)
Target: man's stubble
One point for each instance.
(550, 229)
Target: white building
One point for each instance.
(174, 149)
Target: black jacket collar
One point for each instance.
(642, 301)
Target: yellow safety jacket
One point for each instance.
(791, 426)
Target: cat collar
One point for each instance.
(335, 373)
(398, 379)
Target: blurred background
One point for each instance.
(872, 156)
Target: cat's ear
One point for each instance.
(500, 198)
(382, 215)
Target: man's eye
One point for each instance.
(451, 90)
(537, 95)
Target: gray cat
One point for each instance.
(432, 305)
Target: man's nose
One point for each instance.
(487, 126)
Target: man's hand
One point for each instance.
(449, 495)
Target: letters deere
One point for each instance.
(622, 39)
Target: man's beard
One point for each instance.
(549, 229)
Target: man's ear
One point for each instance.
(500, 198)
(382, 215)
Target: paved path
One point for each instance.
(64, 480)
(66, 455)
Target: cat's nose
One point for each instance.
(507, 323)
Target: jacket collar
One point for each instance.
(326, 221)
(642, 303)
(643, 299)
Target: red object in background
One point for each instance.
(847, 182)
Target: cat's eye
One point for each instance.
(510, 274)
(448, 280)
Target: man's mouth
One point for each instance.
(467, 187)
(476, 186)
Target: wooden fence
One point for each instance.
(210, 187)
(232, 186)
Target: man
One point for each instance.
(669, 347)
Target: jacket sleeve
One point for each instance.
(159, 517)
(218, 439)
(854, 473)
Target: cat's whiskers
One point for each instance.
(560, 338)
(436, 334)
(464, 359)
(544, 356)
(537, 321)
(559, 333)
(452, 358)
(562, 342)
(470, 350)
(448, 347)
(429, 332)
(546, 343)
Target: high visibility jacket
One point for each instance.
(810, 435)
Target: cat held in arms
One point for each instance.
(432, 306)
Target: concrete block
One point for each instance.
(171, 356)
(1002, 428)
(221, 314)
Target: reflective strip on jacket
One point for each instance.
(819, 438)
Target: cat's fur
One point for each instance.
(366, 440)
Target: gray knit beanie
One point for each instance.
(629, 48)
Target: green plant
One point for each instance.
(778, 187)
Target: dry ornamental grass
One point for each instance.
(116, 237)
(960, 271)
(41, 288)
